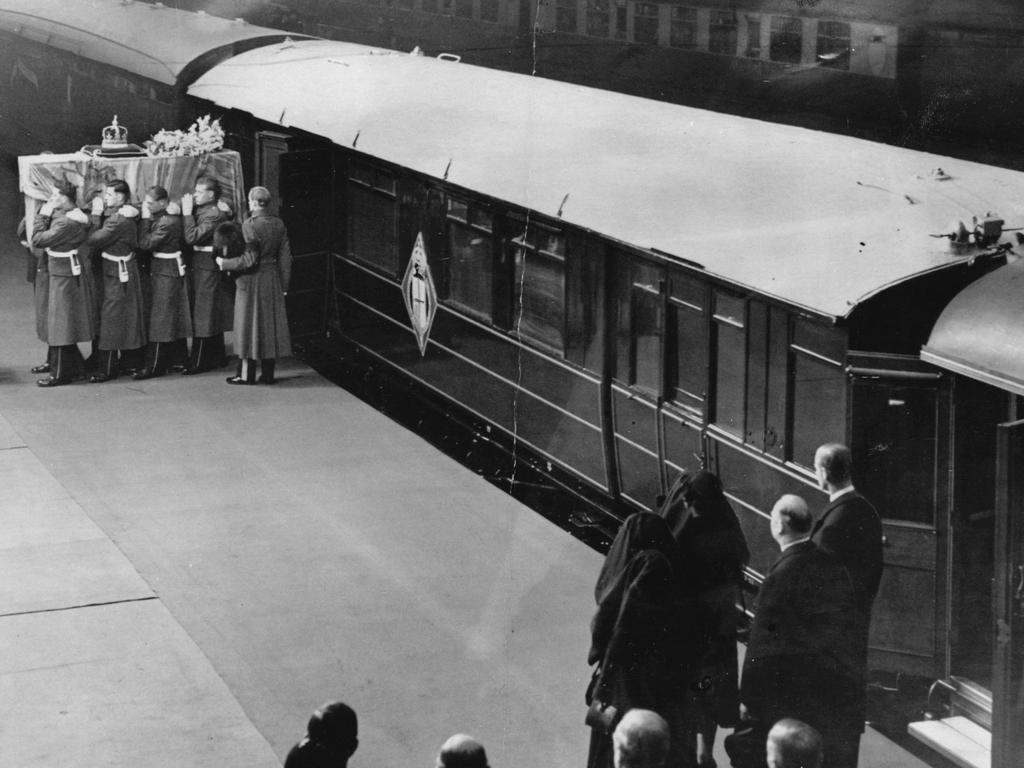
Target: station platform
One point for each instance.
(188, 569)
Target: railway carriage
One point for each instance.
(67, 67)
(619, 289)
(624, 289)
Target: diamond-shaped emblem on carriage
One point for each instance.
(419, 294)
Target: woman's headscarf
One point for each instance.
(641, 531)
(638, 590)
(709, 535)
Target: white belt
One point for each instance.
(176, 255)
(76, 266)
(122, 265)
(203, 248)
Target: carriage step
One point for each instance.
(958, 739)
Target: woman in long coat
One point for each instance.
(264, 267)
(638, 635)
(714, 553)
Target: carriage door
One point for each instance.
(639, 378)
(305, 203)
(899, 437)
(1008, 599)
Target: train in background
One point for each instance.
(939, 76)
(617, 289)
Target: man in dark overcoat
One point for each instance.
(212, 305)
(851, 529)
(801, 660)
(170, 317)
(61, 229)
(122, 319)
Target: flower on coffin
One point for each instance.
(204, 135)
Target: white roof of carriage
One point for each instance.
(818, 220)
(147, 39)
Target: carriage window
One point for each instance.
(819, 389)
(688, 344)
(539, 287)
(683, 31)
(470, 261)
(731, 362)
(645, 23)
(787, 40)
(597, 18)
(646, 321)
(819, 405)
(565, 15)
(372, 218)
(834, 44)
(489, 10)
(895, 438)
(753, 47)
(620, 19)
(723, 33)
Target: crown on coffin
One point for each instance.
(114, 136)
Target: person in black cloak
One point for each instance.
(713, 552)
(638, 633)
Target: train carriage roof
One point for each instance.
(818, 220)
(980, 333)
(147, 39)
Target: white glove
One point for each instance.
(128, 211)
(174, 209)
(225, 208)
(47, 208)
(186, 205)
(97, 206)
(146, 213)
(220, 263)
(78, 215)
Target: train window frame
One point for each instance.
(833, 45)
(723, 23)
(566, 16)
(687, 319)
(646, 22)
(524, 247)
(646, 293)
(682, 18)
(621, 20)
(729, 318)
(470, 224)
(786, 38)
(598, 18)
(372, 183)
(752, 47)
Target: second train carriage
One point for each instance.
(624, 289)
(621, 289)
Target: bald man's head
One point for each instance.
(791, 519)
(793, 744)
(462, 751)
(641, 740)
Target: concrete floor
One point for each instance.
(187, 569)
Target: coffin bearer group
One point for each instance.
(89, 288)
